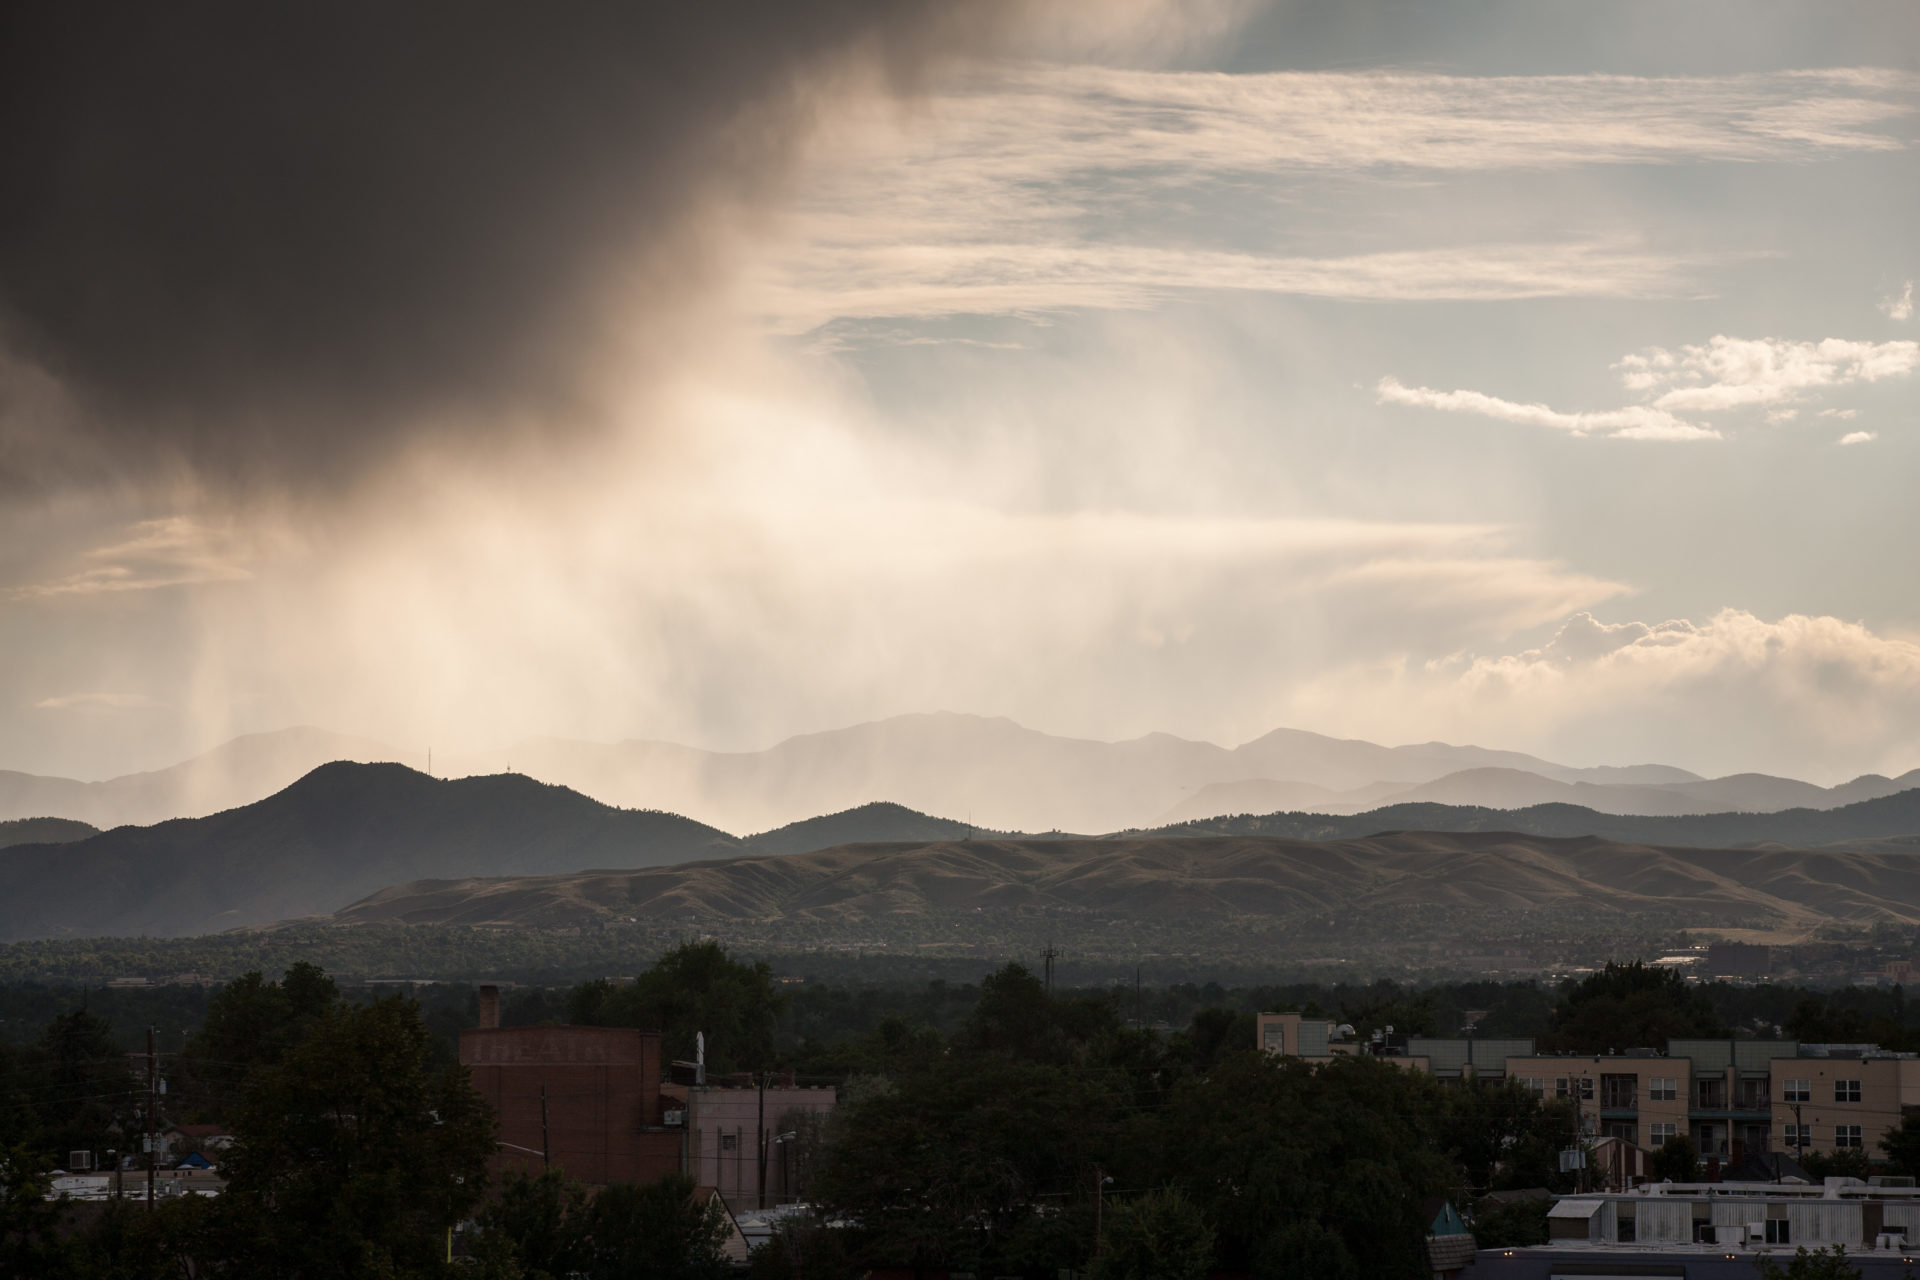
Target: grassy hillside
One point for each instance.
(1432, 877)
(866, 824)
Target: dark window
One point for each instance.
(1846, 1091)
(1778, 1232)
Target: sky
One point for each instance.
(1535, 375)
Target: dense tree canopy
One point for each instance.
(695, 987)
(1627, 1006)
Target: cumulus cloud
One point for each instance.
(1635, 422)
(1900, 307)
(1730, 373)
(1859, 437)
(1805, 695)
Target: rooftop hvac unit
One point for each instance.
(79, 1161)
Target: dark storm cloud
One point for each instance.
(271, 238)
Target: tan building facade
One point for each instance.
(1730, 1097)
(1831, 1103)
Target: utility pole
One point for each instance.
(1047, 957)
(152, 1153)
(1099, 1206)
(760, 1135)
(546, 1144)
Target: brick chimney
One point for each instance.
(489, 1007)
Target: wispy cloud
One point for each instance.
(1635, 422)
(1052, 187)
(1859, 437)
(96, 702)
(1721, 374)
(169, 552)
(923, 281)
(1901, 307)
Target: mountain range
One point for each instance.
(992, 772)
(347, 831)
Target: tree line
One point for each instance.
(1007, 1130)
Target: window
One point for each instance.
(1778, 1231)
(727, 1141)
(1560, 1087)
(1586, 1087)
(1846, 1091)
(1797, 1091)
(1798, 1136)
(1663, 1089)
(1663, 1133)
(1534, 1084)
(1846, 1135)
(1625, 1131)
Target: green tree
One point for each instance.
(1675, 1160)
(1500, 1127)
(1517, 1224)
(1304, 1250)
(659, 1230)
(1902, 1145)
(943, 1166)
(1848, 1162)
(1820, 1264)
(1345, 1151)
(1628, 1005)
(30, 1243)
(85, 1095)
(1159, 1236)
(534, 1221)
(355, 1154)
(252, 1023)
(696, 987)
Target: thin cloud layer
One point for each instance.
(1031, 190)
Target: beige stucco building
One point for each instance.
(1731, 1097)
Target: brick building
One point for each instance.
(584, 1099)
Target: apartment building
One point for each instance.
(1641, 1098)
(1830, 1097)
(1731, 1097)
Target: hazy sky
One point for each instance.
(1539, 375)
